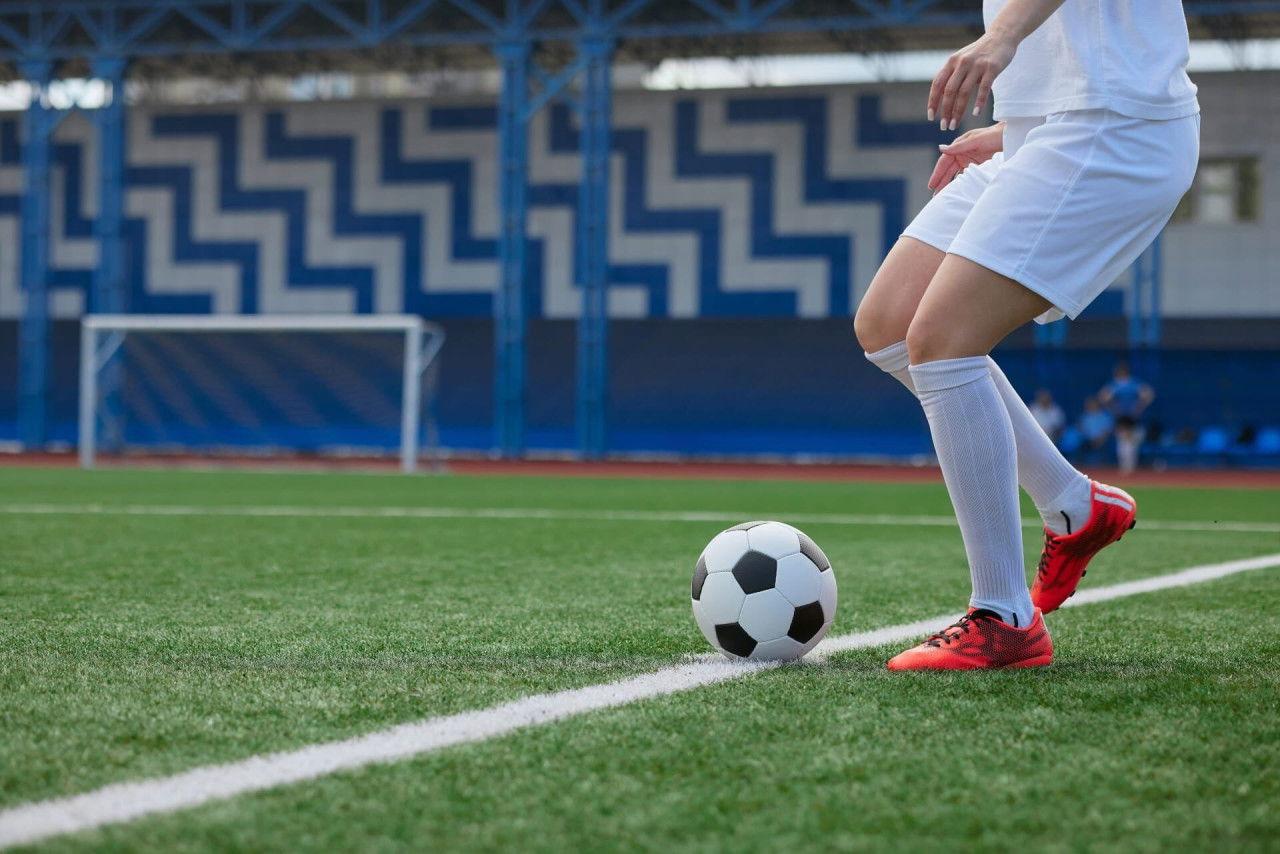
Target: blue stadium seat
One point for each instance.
(1268, 441)
(1213, 440)
(1071, 440)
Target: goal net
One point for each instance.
(262, 385)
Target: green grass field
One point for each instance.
(143, 643)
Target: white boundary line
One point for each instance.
(123, 802)
(538, 513)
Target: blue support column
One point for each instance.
(1154, 309)
(593, 243)
(509, 304)
(1144, 314)
(1144, 297)
(109, 294)
(33, 376)
(1135, 304)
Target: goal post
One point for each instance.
(102, 337)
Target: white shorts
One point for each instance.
(1072, 200)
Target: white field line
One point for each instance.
(558, 515)
(123, 802)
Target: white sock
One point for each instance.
(894, 361)
(1060, 492)
(974, 441)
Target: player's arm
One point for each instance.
(975, 68)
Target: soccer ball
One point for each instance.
(763, 591)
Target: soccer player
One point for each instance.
(1127, 397)
(1096, 141)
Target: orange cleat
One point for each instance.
(980, 641)
(1065, 556)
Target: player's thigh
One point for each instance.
(891, 300)
(966, 310)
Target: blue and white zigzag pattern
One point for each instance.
(722, 205)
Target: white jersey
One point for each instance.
(1126, 56)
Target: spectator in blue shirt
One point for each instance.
(1127, 397)
(1095, 424)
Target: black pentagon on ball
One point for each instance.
(755, 571)
(806, 622)
(733, 638)
(745, 526)
(699, 578)
(810, 549)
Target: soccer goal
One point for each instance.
(258, 385)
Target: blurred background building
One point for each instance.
(663, 265)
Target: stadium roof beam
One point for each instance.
(181, 30)
(40, 41)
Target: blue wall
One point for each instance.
(703, 387)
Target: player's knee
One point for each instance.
(875, 329)
(927, 340)
(864, 328)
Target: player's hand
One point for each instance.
(975, 146)
(970, 69)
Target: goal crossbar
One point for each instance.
(422, 344)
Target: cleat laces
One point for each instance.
(1046, 554)
(956, 630)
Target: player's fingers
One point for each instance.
(947, 92)
(984, 93)
(959, 100)
(961, 144)
(949, 176)
(945, 164)
(954, 97)
(939, 83)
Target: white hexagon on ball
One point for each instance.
(766, 615)
(724, 550)
(705, 625)
(798, 579)
(774, 539)
(721, 598)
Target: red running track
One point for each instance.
(743, 470)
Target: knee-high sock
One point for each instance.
(974, 441)
(1060, 492)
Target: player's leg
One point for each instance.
(966, 310)
(1059, 491)
(1128, 441)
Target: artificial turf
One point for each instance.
(137, 645)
